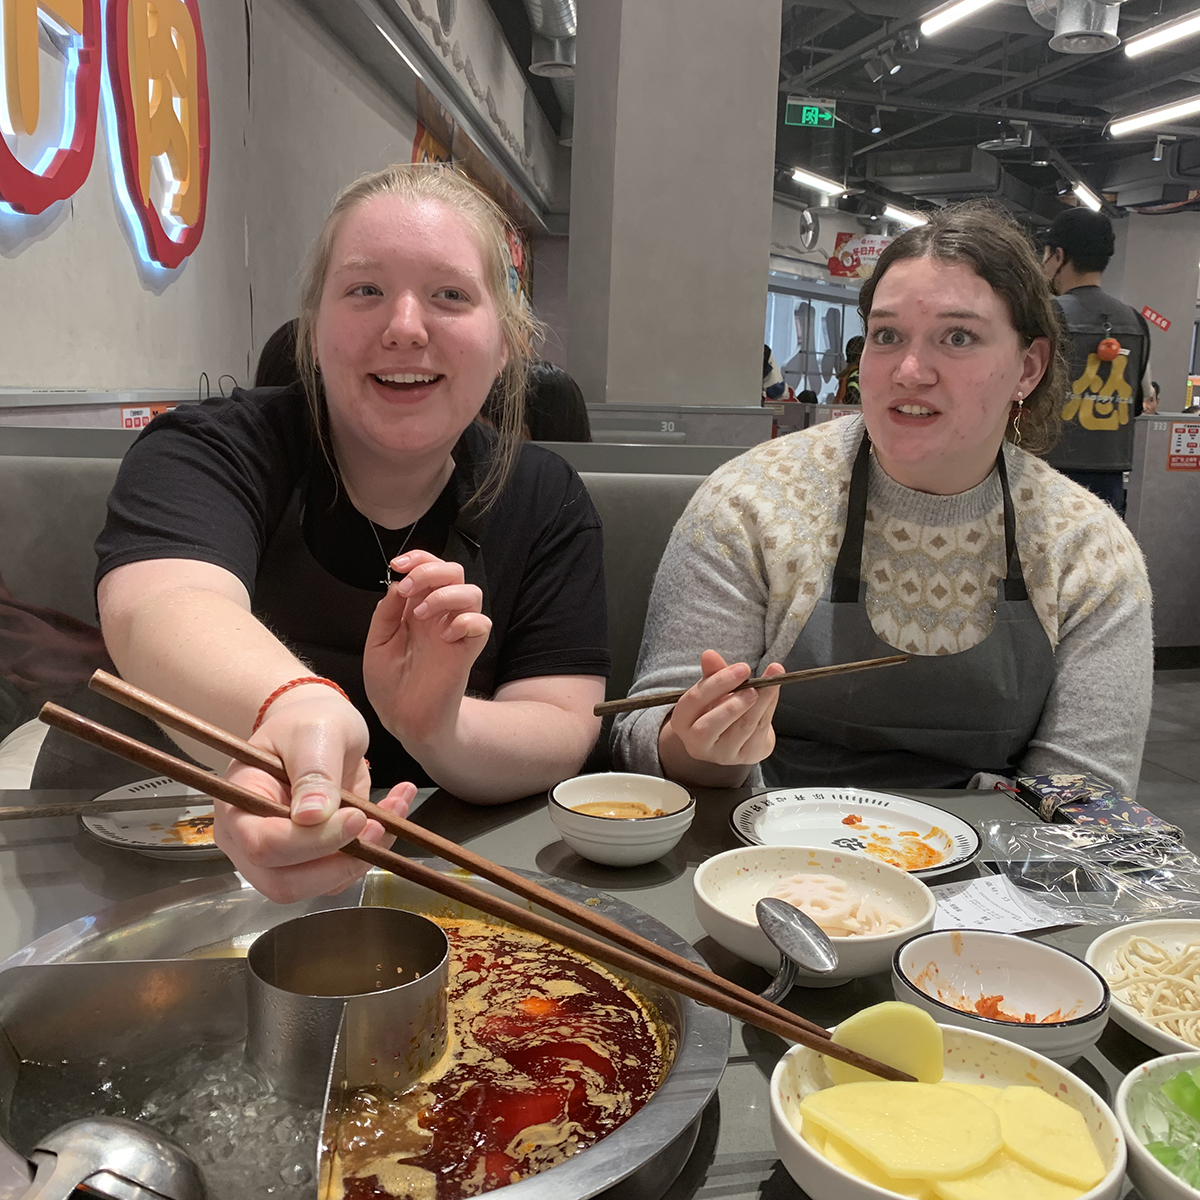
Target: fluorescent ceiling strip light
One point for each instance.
(937, 21)
(1156, 116)
(1164, 35)
(1088, 197)
(818, 182)
(900, 214)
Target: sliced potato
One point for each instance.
(1003, 1178)
(981, 1091)
(843, 1155)
(1049, 1137)
(909, 1130)
(814, 1135)
(900, 1035)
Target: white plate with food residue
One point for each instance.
(901, 832)
(182, 828)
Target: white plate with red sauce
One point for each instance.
(904, 833)
(181, 829)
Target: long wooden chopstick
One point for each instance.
(780, 1022)
(654, 699)
(224, 742)
(95, 808)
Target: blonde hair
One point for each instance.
(520, 330)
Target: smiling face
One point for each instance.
(407, 335)
(940, 372)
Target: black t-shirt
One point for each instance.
(216, 481)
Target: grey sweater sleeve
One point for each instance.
(1096, 715)
(709, 593)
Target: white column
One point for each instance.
(1160, 267)
(672, 179)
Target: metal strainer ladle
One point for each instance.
(121, 1159)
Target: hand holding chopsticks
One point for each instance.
(632, 954)
(654, 699)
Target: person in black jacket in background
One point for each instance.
(1108, 352)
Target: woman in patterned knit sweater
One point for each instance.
(926, 525)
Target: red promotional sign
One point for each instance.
(1155, 318)
(1183, 449)
(159, 79)
(22, 187)
(854, 257)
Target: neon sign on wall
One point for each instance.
(148, 58)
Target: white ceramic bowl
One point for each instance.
(727, 887)
(1172, 935)
(970, 1058)
(1152, 1180)
(1031, 976)
(618, 841)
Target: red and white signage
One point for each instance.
(1155, 318)
(139, 418)
(855, 256)
(1183, 449)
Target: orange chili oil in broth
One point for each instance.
(549, 1053)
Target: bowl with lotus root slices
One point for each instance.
(867, 907)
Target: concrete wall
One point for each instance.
(316, 122)
(1157, 264)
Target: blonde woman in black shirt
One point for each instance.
(350, 566)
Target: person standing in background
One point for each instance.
(847, 389)
(773, 386)
(1108, 351)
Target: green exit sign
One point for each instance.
(810, 111)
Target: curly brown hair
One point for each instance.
(985, 238)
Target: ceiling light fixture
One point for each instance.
(889, 61)
(1157, 156)
(938, 20)
(908, 41)
(1086, 196)
(817, 182)
(874, 68)
(876, 122)
(1156, 116)
(1164, 35)
(904, 216)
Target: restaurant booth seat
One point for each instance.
(52, 509)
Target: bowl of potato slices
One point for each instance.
(985, 1119)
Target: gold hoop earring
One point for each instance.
(1017, 419)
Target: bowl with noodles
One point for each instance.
(867, 907)
(1153, 970)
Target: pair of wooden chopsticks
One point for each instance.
(632, 953)
(654, 699)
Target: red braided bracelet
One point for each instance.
(287, 687)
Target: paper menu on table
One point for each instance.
(990, 903)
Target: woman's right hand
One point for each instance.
(321, 739)
(715, 724)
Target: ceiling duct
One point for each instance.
(553, 25)
(1141, 181)
(1080, 26)
(948, 173)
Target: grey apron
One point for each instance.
(325, 621)
(930, 723)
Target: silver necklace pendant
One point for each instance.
(389, 578)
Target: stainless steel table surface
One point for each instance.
(52, 872)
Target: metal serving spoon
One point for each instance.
(801, 942)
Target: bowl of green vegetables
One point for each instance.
(1158, 1109)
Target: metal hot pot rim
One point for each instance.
(636, 1162)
